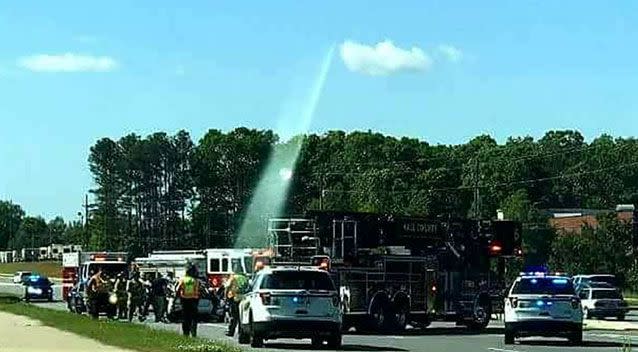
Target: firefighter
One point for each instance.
(188, 293)
(96, 291)
(159, 291)
(235, 288)
(134, 291)
(120, 291)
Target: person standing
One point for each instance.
(134, 303)
(235, 289)
(95, 288)
(158, 291)
(120, 291)
(188, 293)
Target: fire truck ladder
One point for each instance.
(293, 238)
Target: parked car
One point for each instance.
(582, 280)
(21, 276)
(38, 287)
(603, 302)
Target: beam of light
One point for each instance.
(271, 194)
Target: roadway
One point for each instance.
(439, 337)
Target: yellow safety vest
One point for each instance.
(190, 288)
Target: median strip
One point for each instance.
(119, 334)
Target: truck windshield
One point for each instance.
(298, 280)
(605, 294)
(541, 285)
(111, 269)
(610, 279)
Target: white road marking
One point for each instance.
(613, 336)
(501, 350)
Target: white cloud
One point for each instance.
(450, 52)
(68, 62)
(383, 58)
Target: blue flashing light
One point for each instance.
(559, 281)
(540, 303)
(295, 299)
(549, 303)
(534, 281)
(34, 278)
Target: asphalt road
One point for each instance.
(439, 337)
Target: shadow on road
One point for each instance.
(452, 331)
(302, 346)
(591, 344)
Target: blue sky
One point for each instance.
(443, 71)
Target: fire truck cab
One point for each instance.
(223, 262)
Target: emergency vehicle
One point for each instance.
(540, 304)
(221, 263)
(392, 271)
(78, 267)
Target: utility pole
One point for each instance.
(86, 219)
(477, 190)
(321, 195)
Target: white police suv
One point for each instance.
(291, 302)
(543, 305)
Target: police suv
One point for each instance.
(543, 305)
(291, 302)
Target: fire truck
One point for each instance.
(392, 271)
(77, 269)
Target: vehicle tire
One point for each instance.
(316, 342)
(621, 317)
(50, 299)
(576, 337)
(243, 336)
(256, 340)
(509, 337)
(334, 341)
(400, 317)
(70, 306)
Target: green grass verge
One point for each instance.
(48, 269)
(119, 334)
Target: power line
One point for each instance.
(478, 154)
(501, 184)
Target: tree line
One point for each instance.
(166, 191)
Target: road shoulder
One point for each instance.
(20, 333)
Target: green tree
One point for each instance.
(10, 219)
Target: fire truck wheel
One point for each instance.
(400, 316)
(481, 318)
(379, 316)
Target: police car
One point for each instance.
(291, 302)
(543, 305)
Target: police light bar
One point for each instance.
(532, 273)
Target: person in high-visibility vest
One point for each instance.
(188, 293)
(236, 287)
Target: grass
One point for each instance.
(119, 334)
(48, 269)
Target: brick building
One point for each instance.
(571, 221)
